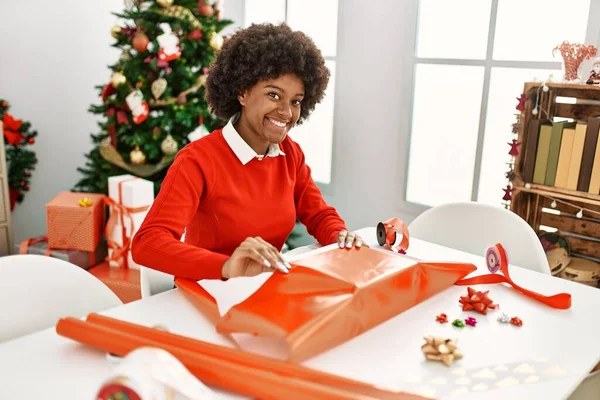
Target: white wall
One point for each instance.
(52, 55)
(375, 42)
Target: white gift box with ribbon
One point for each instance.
(132, 197)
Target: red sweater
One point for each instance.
(220, 202)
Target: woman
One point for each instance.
(238, 191)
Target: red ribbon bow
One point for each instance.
(477, 301)
(499, 260)
(11, 127)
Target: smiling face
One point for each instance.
(269, 110)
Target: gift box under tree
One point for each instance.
(130, 198)
(83, 259)
(75, 221)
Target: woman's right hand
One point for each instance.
(253, 257)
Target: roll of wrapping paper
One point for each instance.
(230, 369)
(387, 235)
(497, 260)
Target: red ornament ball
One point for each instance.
(205, 10)
(26, 188)
(31, 140)
(140, 42)
(22, 183)
(27, 173)
(4, 104)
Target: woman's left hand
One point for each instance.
(349, 240)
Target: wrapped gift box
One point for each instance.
(326, 299)
(73, 224)
(124, 282)
(83, 259)
(135, 196)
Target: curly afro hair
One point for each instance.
(261, 52)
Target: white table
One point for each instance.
(45, 365)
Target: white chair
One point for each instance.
(473, 227)
(154, 282)
(36, 291)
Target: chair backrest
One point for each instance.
(154, 282)
(36, 291)
(473, 227)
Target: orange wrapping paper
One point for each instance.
(71, 226)
(221, 367)
(331, 297)
(124, 282)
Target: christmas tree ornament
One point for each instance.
(158, 87)
(137, 156)
(183, 13)
(138, 106)
(169, 145)
(165, 3)
(216, 41)
(521, 105)
(182, 99)
(115, 31)
(140, 42)
(205, 9)
(117, 79)
(197, 133)
(169, 44)
(441, 349)
(156, 131)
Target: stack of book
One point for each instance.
(563, 154)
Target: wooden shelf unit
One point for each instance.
(533, 201)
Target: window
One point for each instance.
(470, 62)
(316, 134)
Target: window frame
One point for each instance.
(592, 36)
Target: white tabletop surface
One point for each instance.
(45, 365)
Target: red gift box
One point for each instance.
(75, 221)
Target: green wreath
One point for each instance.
(20, 161)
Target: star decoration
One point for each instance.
(514, 147)
(458, 323)
(471, 321)
(507, 193)
(477, 301)
(516, 321)
(504, 318)
(441, 349)
(442, 318)
(511, 175)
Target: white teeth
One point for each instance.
(277, 123)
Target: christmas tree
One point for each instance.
(20, 160)
(154, 103)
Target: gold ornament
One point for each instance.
(137, 156)
(169, 145)
(117, 79)
(165, 3)
(183, 13)
(158, 87)
(115, 31)
(216, 41)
